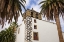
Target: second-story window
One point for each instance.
(34, 20)
(35, 26)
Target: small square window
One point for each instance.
(35, 35)
(34, 20)
(35, 26)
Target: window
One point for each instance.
(35, 35)
(31, 14)
(18, 30)
(37, 15)
(34, 20)
(35, 26)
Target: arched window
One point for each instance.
(31, 14)
(37, 15)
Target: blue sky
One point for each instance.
(34, 4)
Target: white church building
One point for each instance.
(34, 29)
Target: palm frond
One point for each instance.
(58, 4)
(22, 5)
(42, 2)
(10, 9)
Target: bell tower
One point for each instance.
(27, 17)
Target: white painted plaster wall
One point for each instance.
(47, 31)
(20, 37)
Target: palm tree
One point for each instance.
(52, 9)
(10, 9)
(14, 26)
(8, 35)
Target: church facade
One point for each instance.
(34, 29)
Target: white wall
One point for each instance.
(20, 37)
(47, 31)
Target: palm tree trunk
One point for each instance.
(58, 25)
(59, 29)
